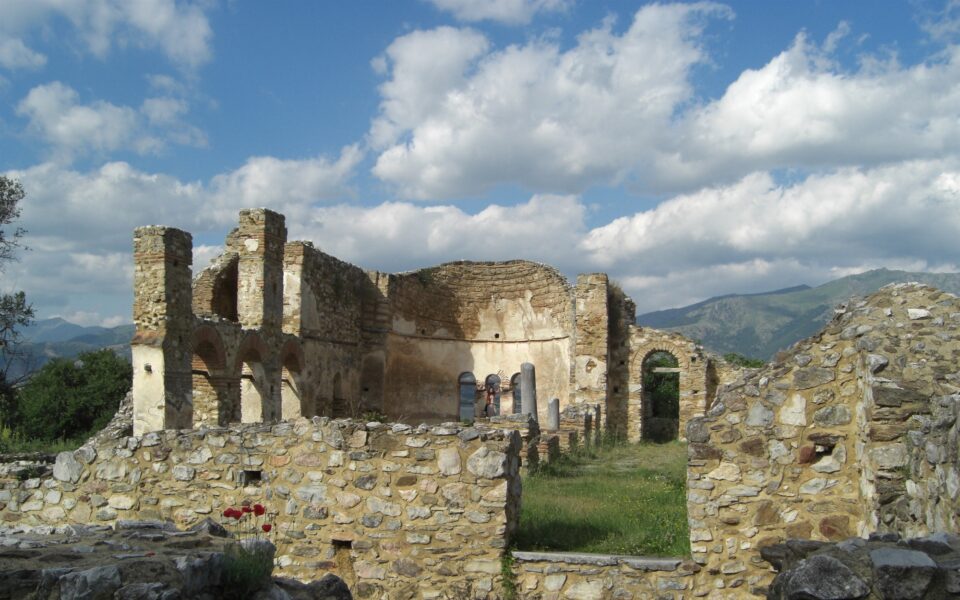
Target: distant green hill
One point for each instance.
(760, 325)
(53, 338)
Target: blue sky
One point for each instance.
(688, 149)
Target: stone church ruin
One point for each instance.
(277, 330)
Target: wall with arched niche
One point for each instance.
(479, 318)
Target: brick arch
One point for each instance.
(208, 347)
(294, 400)
(211, 385)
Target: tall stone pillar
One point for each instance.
(162, 313)
(528, 390)
(553, 414)
(262, 235)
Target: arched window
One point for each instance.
(468, 396)
(515, 389)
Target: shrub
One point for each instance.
(246, 570)
(69, 398)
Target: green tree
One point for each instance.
(744, 361)
(15, 312)
(69, 398)
(663, 388)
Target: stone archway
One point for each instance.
(660, 381)
(691, 373)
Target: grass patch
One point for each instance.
(620, 499)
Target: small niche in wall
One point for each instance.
(249, 477)
(423, 332)
(496, 336)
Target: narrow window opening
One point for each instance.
(251, 477)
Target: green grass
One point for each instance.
(622, 499)
(11, 443)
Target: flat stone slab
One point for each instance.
(601, 560)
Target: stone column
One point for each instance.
(596, 423)
(528, 390)
(553, 414)
(163, 315)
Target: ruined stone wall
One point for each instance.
(326, 301)
(622, 318)
(693, 365)
(396, 511)
(479, 318)
(849, 432)
(592, 349)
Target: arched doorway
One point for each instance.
(661, 396)
(515, 392)
(467, 396)
(492, 382)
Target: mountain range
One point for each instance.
(46, 339)
(760, 325)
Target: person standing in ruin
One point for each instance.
(489, 409)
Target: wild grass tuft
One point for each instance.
(618, 499)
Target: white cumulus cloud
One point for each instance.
(510, 12)
(57, 116)
(620, 108)
(757, 234)
(179, 29)
(14, 54)
(534, 114)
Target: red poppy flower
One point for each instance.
(258, 509)
(266, 527)
(230, 512)
(247, 509)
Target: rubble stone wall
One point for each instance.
(395, 511)
(851, 431)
